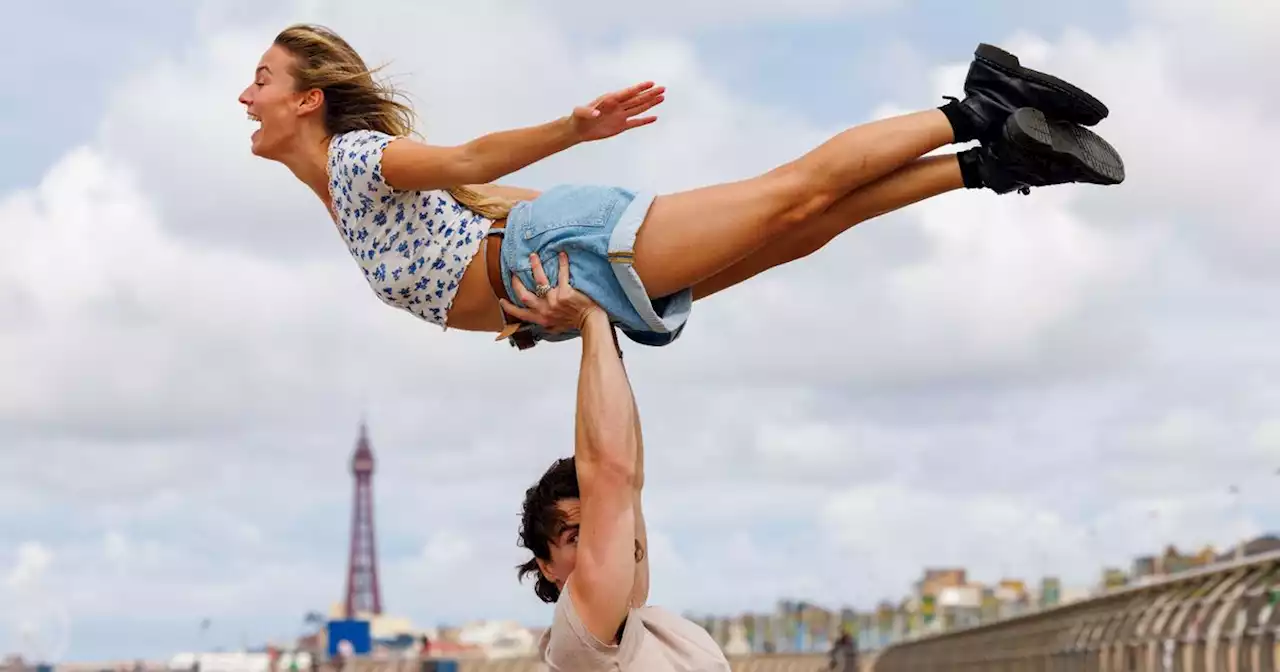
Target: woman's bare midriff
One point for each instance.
(475, 308)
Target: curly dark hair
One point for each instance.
(541, 522)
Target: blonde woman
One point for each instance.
(433, 235)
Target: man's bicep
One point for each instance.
(605, 570)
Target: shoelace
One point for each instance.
(1024, 189)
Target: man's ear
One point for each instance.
(545, 568)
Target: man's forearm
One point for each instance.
(605, 451)
(606, 423)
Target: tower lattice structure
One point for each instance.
(363, 593)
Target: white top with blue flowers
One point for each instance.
(413, 246)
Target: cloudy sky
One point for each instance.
(1018, 385)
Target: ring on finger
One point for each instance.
(541, 291)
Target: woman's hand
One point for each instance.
(560, 308)
(616, 112)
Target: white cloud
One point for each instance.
(116, 548)
(33, 619)
(32, 563)
(1236, 22)
(446, 550)
(672, 15)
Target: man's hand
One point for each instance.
(560, 308)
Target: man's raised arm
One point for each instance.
(611, 573)
(605, 450)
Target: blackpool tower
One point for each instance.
(363, 595)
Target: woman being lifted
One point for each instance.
(434, 236)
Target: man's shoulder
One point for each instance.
(567, 645)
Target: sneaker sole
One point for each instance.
(1097, 161)
(1088, 111)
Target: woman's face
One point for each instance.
(272, 101)
(564, 546)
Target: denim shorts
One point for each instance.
(596, 226)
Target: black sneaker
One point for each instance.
(1034, 151)
(998, 84)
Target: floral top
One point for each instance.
(413, 246)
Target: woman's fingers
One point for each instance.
(645, 98)
(634, 90)
(642, 107)
(640, 121)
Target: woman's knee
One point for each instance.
(801, 197)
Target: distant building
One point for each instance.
(1175, 562)
(1013, 596)
(382, 627)
(1144, 566)
(1264, 544)
(935, 580)
(1113, 578)
(1050, 592)
(960, 606)
(499, 639)
(738, 644)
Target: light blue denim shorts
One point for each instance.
(596, 226)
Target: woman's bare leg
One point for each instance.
(918, 180)
(690, 236)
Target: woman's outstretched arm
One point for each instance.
(411, 165)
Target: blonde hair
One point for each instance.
(354, 101)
